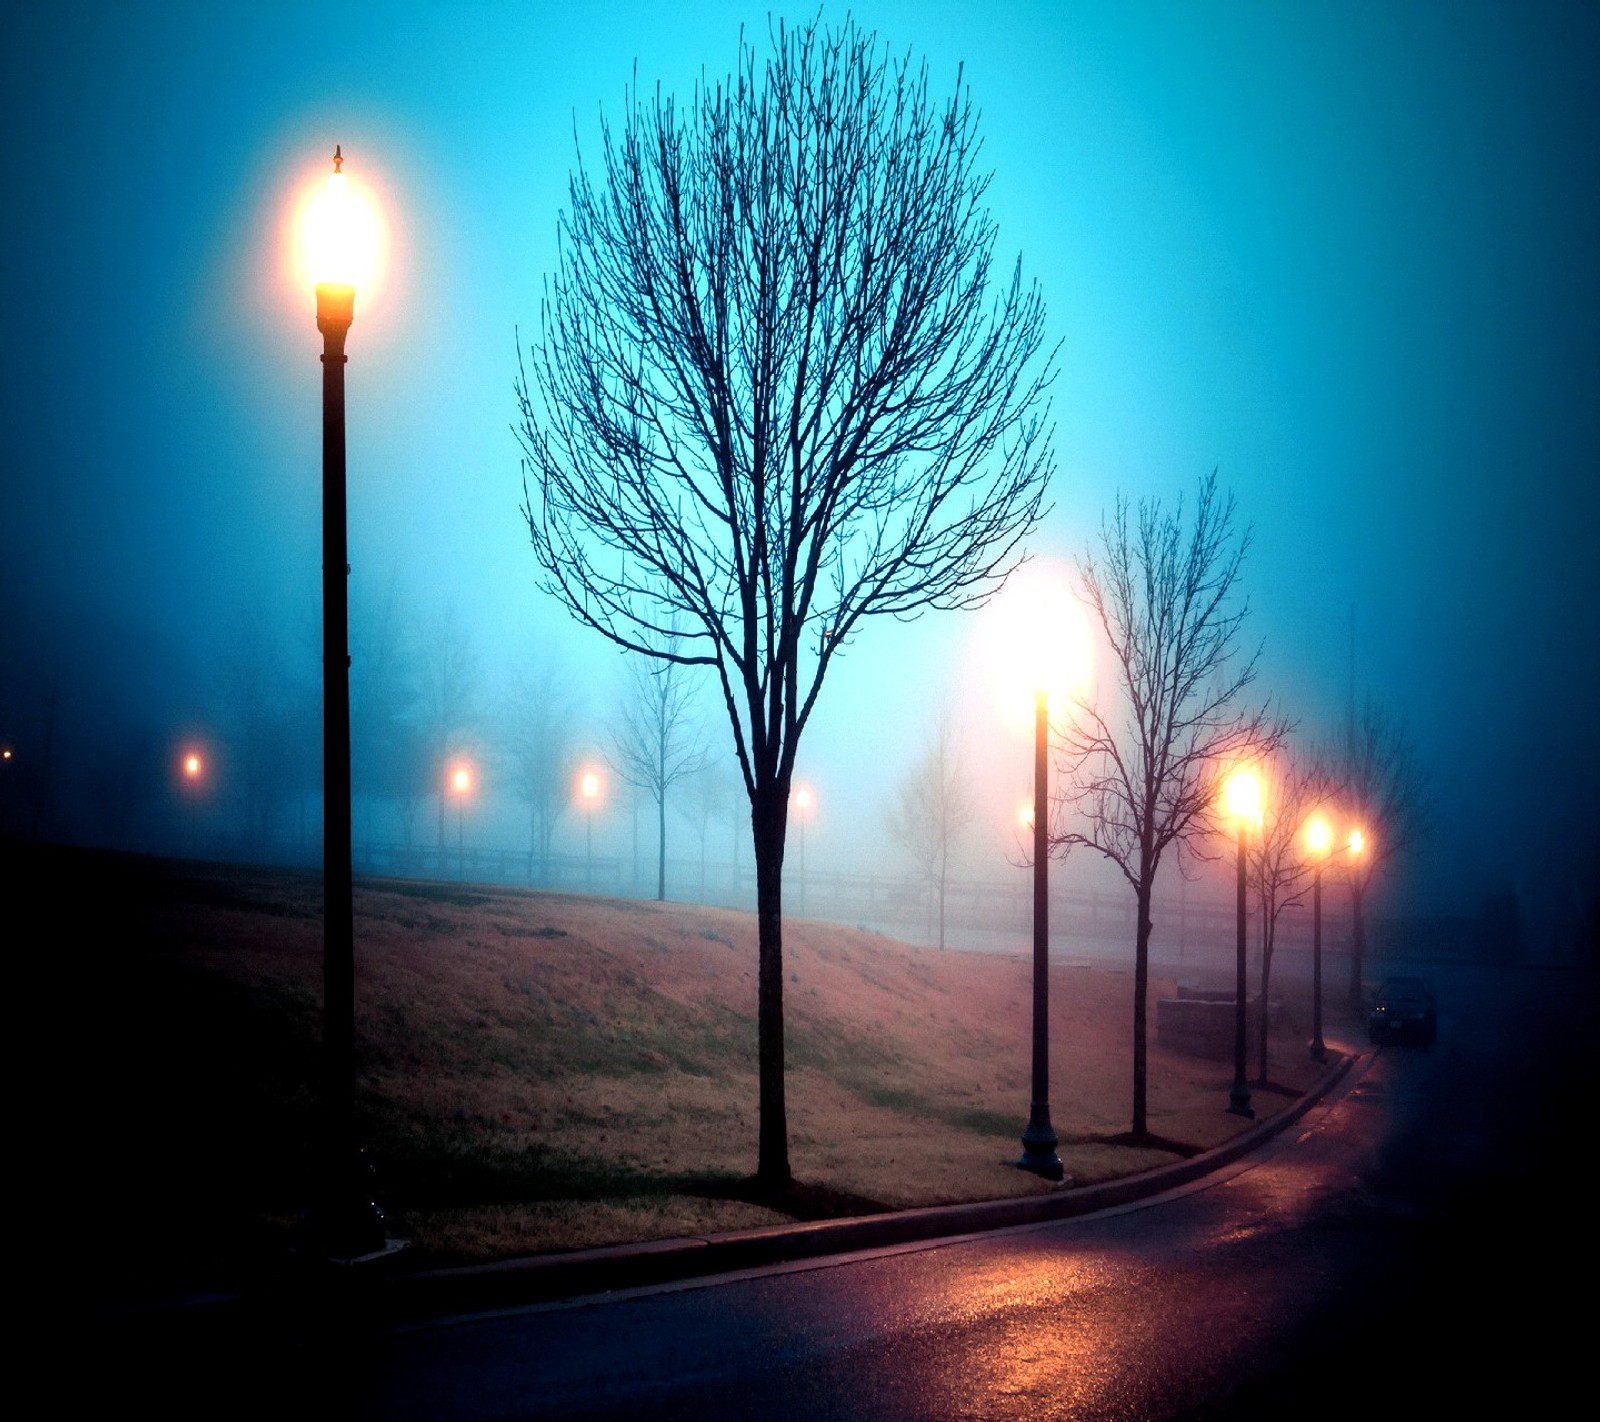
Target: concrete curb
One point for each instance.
(399, 1298)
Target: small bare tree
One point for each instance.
(934, 805)
(1280, 861)
(777, 395)
(657, 741)
(1142, 776)
(539, 743)
(1385, 795)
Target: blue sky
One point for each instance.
(1344, 253)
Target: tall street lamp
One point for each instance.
(1039, 1137)
(1319, 838)
(350, 1223)
(461, 786)
(1242, 796)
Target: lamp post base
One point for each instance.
(1318, 1050)
(1039, 1146)
(1239, 1101)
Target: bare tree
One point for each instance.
(777, 395)
(1142, 776)
(1280, 862)
(1385, 796)
(539, 727)
(711, 793)
(657, 741)
(934, 806)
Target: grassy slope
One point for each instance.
(542, 1071)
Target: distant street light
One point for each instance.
(589, 788)
(1039, 1138)
(336, 236)
(1242, 796)
(1319, 837)
(1355, 846)
(803, 801)
(461, 787)
(192, 768)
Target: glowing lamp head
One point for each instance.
(1241, 797)
(341, 240)
(192, 766)
(589, 786)
(1358, 843)
(802, 799)
(461, 780)
(1319, 836)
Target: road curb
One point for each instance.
(397, 1298)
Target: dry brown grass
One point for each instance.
(542, 1071)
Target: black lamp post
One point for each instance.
(1320, 837)
(1244, 793)
(1039, 1138)
(349, 1223)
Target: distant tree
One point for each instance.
(658, 741)
(1143, 775)
(709, 795)
(777, 395)
(449, 684)
(934, 806)
(1280, 862)
(1385, 796)
(538, 727)
(271, 719)
(385, 704)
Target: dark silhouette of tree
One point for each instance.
(776, 395)
(1279, 858)
(657, 740)
(1143, 775)
(1385, 796)
(538, 732)
(934, 806)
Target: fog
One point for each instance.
(1344, 254)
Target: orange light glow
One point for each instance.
(1241, 796)
(589, 785)
(1358, 842)
(803, 799)
(342, 239)
(461, 779)
(1034, 637)
(192, 766)
(1319, 835)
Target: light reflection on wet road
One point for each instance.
(1403, 1202)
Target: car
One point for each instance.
(1403, 1010)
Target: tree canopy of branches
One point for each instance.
(776, 394)
(1142, 775)
(656, 741)
(934, 805)
(1385, 796)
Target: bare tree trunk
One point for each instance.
(661, 847)
(768, 820)
(1141, 993)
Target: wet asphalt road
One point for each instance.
(1411, 1245)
